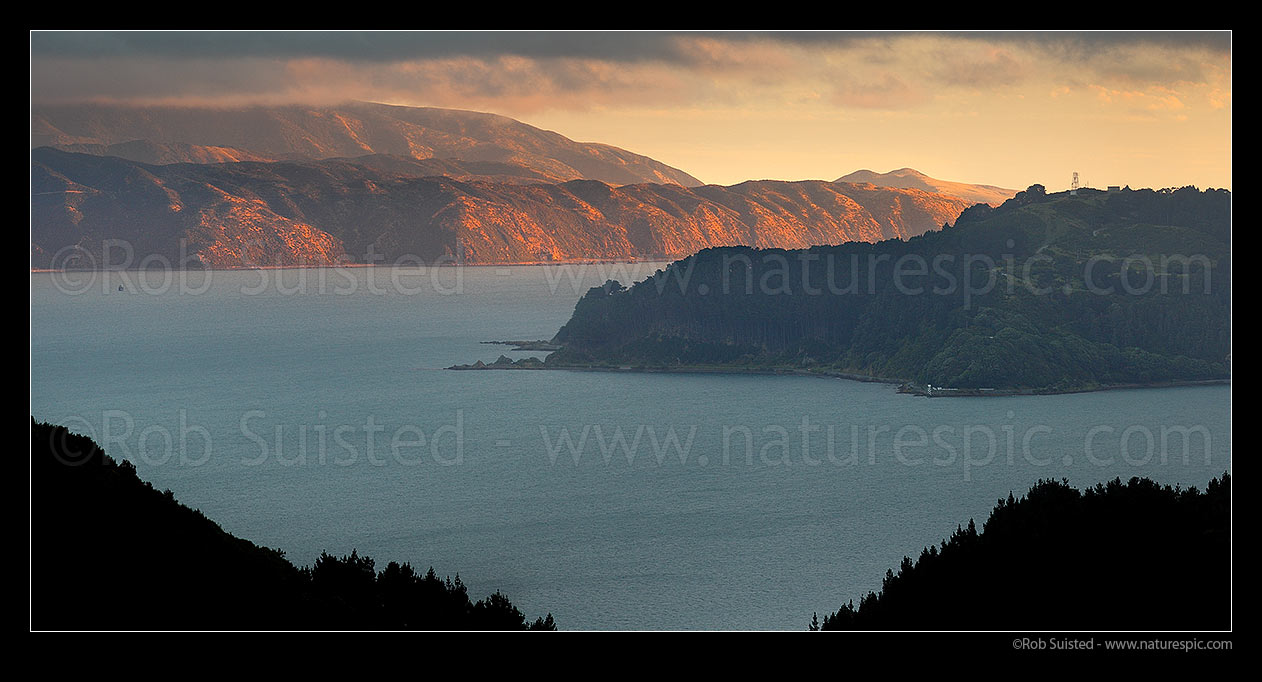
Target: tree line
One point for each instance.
(111, 552)
(1116, 556)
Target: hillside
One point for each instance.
(110, 552)
(1045, 293)
(1118, 556)
(147, 151)
(339, 210)
(914, 179)
(201, 135)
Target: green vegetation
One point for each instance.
(110, 552)
(1119, 556)
(1045, 293)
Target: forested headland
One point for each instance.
(1045, 293)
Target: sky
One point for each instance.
(1145, 109)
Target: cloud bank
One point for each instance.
(1008, 108)
(523, 72)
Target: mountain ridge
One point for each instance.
(911, 178)
(346, 130)
(335, 211)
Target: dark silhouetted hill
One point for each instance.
(110, 552)
(1119, 556)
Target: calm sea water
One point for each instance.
(307, 410)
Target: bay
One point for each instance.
(308, 410)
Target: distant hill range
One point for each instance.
(914, 179)
(495, 209)
(209, 135)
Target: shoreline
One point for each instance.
(1013, 392)
(904, 386)
(764, 371)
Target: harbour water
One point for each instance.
(308, 410)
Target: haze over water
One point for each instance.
(307, 410)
